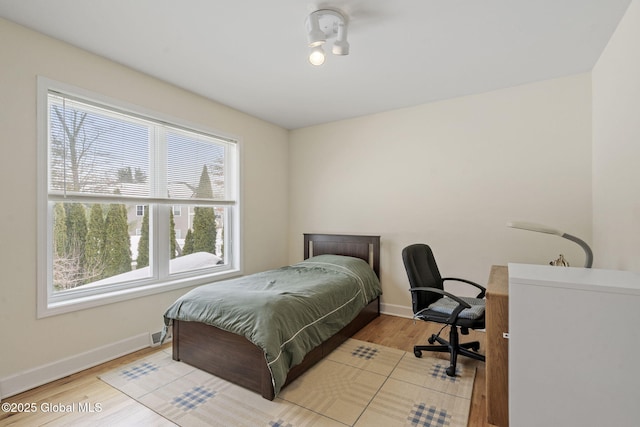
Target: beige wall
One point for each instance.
(616, 148)
(451, 174)
(26, 342)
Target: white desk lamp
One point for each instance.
(548, 230)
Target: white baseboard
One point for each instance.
(396, 310)
(35, 377)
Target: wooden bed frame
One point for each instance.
(235, 359)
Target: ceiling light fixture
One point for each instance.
(323, 25)
(315, 36)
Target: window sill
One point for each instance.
(48, 308)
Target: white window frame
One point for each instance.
(49, 304)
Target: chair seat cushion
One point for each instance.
(446, 305)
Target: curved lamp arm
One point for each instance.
(548, 230)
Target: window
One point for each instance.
(112, 181)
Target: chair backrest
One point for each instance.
(422, 271)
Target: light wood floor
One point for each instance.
(117, 409)
(401, 333)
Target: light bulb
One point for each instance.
(316, 57)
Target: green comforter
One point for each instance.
(286, 312)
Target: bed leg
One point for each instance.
(267, 386)
(176, 343)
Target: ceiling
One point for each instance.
(252, 55)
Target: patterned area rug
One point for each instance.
(358, 384)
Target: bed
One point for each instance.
(245, 357)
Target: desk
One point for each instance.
(497, 347)
(573, 351)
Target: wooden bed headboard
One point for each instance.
(364, 247)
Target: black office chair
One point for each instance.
(432, 303)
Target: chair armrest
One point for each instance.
(483, 290)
